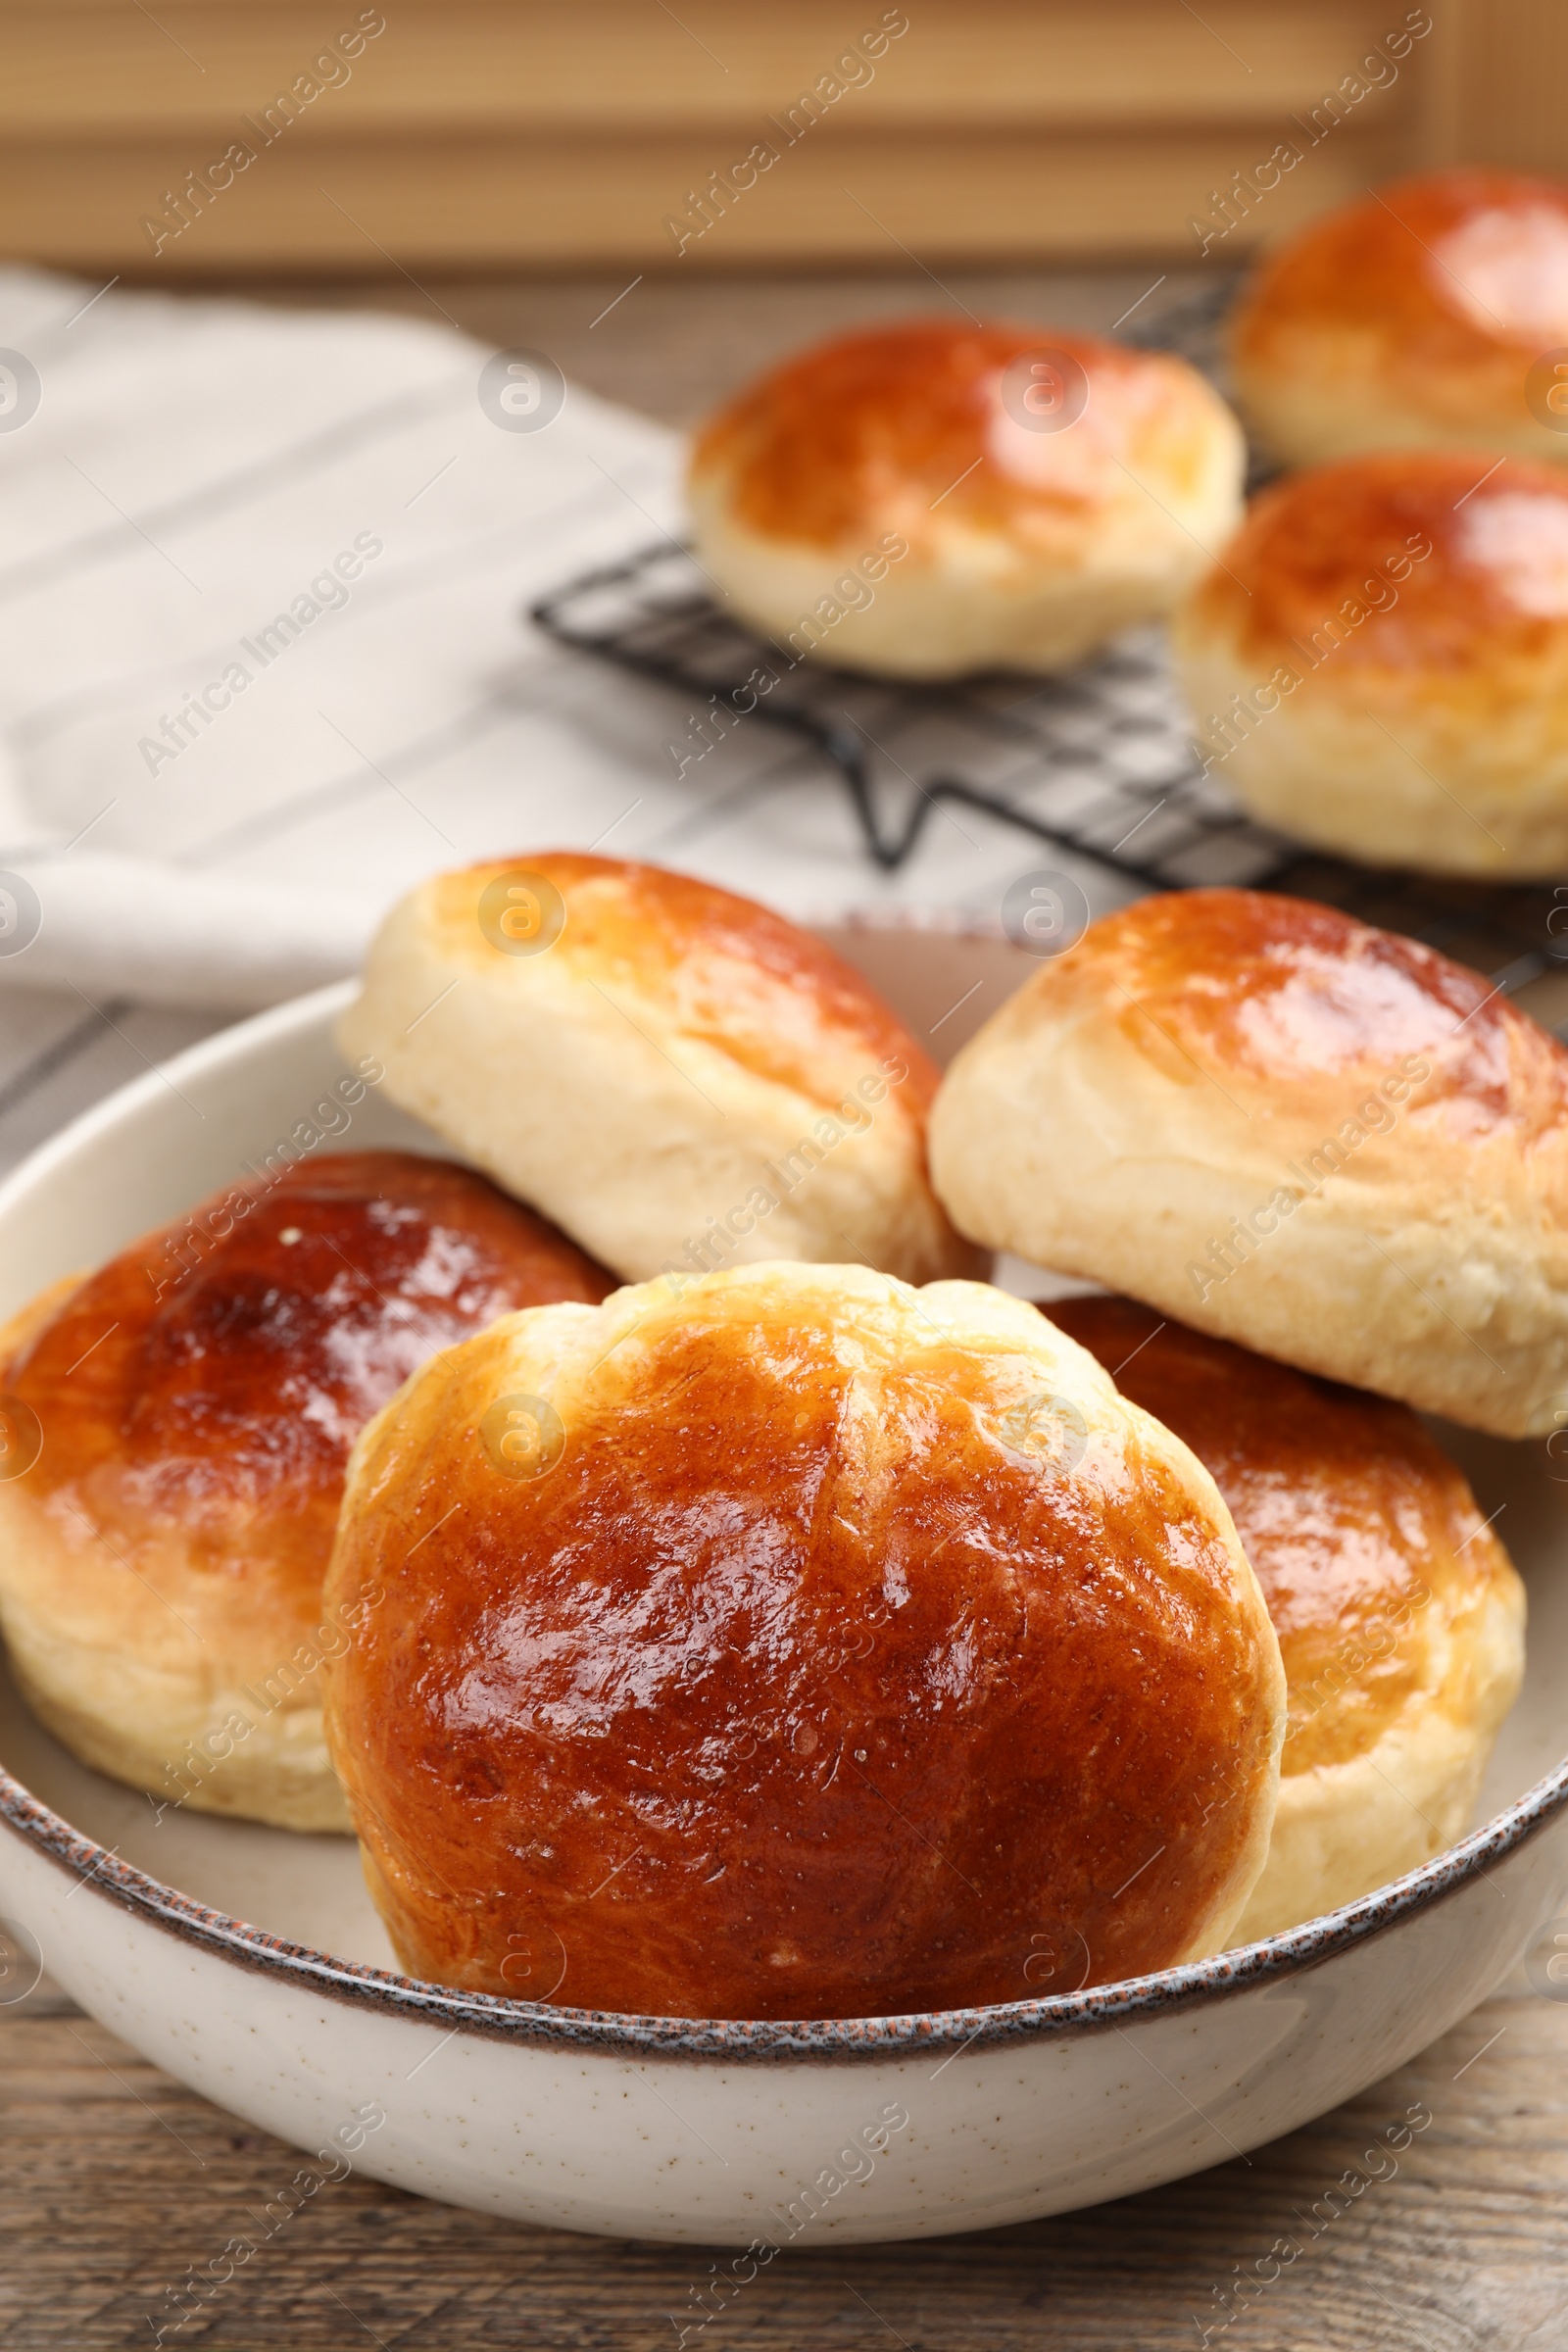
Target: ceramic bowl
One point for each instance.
(249, 1962)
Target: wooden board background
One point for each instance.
(563, 134)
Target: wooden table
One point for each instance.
(114, 2177)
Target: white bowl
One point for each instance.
(267, 1981)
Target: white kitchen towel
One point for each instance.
(263, 660)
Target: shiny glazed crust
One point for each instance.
(1400, 1616)
(1412, 317)
(1379, 663)
(160, 1564)
(825, 1648)
(885, 502)
(678, 1078)
(1288, 1129)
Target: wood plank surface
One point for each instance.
(561, 134)
(564, 133)
(114, 2179)
(372, 208)
(484, 64)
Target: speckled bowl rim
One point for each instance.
(1105, 2007)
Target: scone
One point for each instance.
(1431, 311)
(1400, 1616)
(1378, 664)
(932, 498)
(1293, 1130)
(162, 1561)
(806, 1646)
(677, 1077)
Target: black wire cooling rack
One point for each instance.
(1097, 762)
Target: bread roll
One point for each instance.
(1292, 1130)
(1379, 663)
(1431, 311)
(1400, 1617)
(932, 498)
(807, 1646)
(162, 1561)
(677, 1077)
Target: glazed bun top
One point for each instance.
(721, 972)
(1422, 564)
(934, 428)
(1459, 277)
(213, 1377)
(1364, 1537)
(1462, 258)
(1272, 1016)
(1291, 1129)
(806, 1646)
(673, 1074)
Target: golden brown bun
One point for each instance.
(1321, 1140)
(1412, 317)
(679, 1078)
(161, 1565)
(1400, 1617)
(1379, 662)
(851, 1649)
(896, 478)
